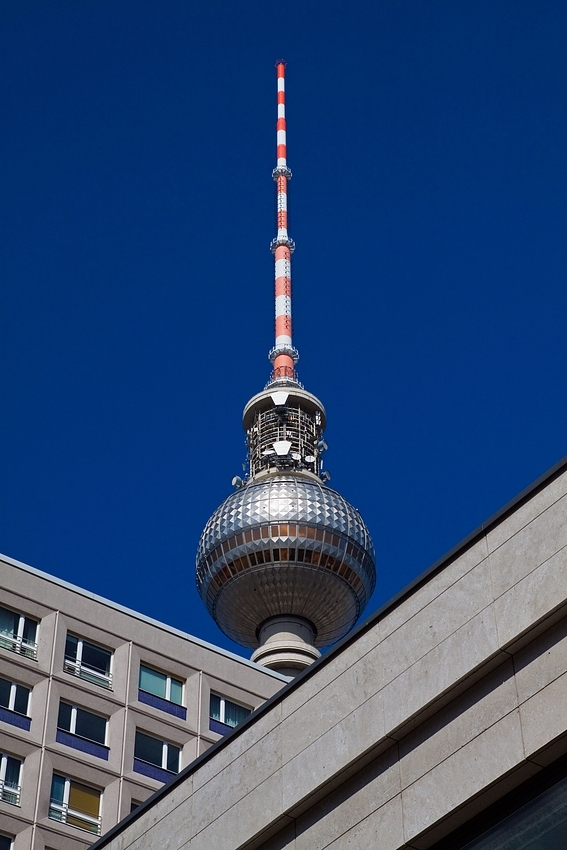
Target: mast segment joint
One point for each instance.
(282, 171)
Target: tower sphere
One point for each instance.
(285, 545)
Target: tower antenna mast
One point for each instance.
(283, 355)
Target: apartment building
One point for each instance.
(99, 707)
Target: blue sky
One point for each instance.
(428, 143)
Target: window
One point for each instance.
(88, 661)
(75, 804)
(77, 721)
(14, 704)
(14, 697)
(6, 842)
(225, 715)
(161, 691)
(540, 824)
(82, 730)
(155, 758)
(10, 769)
(18, 633)
(161, 685)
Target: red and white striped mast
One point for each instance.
(283, 355)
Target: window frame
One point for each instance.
(164, 753)
(168, 680)
(8, 790)
(17, 642)
(222, 712)
(12, 700)
(73, 724)
(75, 667)
(65, 811)
(9, 837)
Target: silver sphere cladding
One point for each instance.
(285, 545)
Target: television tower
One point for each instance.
(285, 565)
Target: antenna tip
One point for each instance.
(281, 62)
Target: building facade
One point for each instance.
(441, 722)
(99, 707)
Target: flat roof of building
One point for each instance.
(138, 616)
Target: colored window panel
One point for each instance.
(153, 682)
(176, 691)
(75, 804)
(84, 799)
(58, 789)
(161, 685)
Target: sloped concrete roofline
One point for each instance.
(138, 616)
(370, 622)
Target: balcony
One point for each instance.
(82, 671)
(10, 793)
(62, 813)
(23, 647)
